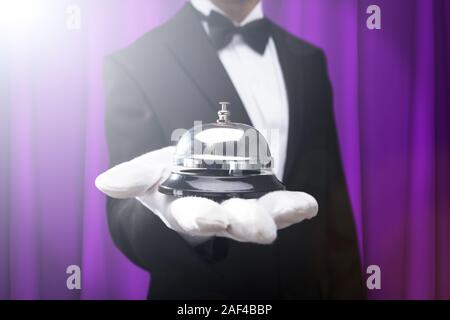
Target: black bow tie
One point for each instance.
(222, 30)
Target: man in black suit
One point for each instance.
(176, 74)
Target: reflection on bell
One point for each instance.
(222, 160)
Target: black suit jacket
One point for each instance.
(172, 76)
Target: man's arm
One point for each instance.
(341, 241)
(132, 130)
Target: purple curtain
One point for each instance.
(392, 107)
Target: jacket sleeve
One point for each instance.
(344, 268)
(132, 129)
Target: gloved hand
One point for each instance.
(197, 218)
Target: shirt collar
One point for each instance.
(206, 6)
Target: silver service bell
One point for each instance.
(222, 160)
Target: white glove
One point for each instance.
(196, 218)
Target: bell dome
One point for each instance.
(222, 160)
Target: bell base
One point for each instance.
(220, 187)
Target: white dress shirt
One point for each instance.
(259, 81)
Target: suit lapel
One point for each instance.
(205, 69)
(294, 81)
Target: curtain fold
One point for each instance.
(392, 106)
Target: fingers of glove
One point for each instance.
(132, 178)
(199, 216)
(289, 207)
(157, 203)
(249, 221)
(127, 180)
